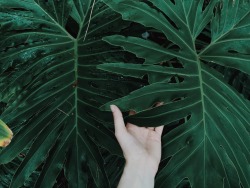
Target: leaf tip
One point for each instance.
(105, 107)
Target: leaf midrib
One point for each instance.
(75, 42)
(202, 95)
(203, 114)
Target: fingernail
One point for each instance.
(112, 107)
(159, 104)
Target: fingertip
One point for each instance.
(132, 112)
(115, 109)
(112, 107)
(118, 118)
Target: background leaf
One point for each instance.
(51, 90)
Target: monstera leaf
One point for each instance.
(239, 80)
(5, 134)
(52, 90)
(211, 148)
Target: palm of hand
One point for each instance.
(142, 143)
(138, 143)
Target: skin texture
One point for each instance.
(141, 147)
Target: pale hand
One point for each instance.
(141, 146)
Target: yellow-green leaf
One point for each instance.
(5, 134)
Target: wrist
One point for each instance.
(141, 168)
(146, 165)
(137, 176)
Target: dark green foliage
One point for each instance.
(145, 51)
(210, 147)
(51, 90)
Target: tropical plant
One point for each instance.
(51, 89)
(211, 147)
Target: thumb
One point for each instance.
(118, 120)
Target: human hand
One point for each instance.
(140, 145)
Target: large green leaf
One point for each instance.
(212, 147)
(48, 53)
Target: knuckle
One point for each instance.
(129, 126)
